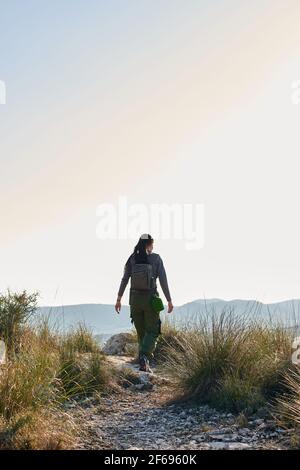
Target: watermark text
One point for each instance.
(177, 221)
(2, 92)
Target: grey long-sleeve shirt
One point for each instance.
(158, 270)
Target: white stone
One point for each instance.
(116, 344)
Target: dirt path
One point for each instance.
(142, 417)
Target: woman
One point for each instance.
(144, 267)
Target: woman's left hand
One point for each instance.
(118, 306)
(170, 307)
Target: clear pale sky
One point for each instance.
(160, 101)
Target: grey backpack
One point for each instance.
(141, 276)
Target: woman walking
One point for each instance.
(144, 267)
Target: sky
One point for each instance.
(160, 102)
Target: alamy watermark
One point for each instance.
(2, 352)
(2, 92)
(296, 353)
(295, 92)
(177, 221)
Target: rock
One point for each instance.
(116, 344)
(238, 446)
(272, 434)
(218, 445)
(220, 432)
(263, 413)
(139, 386)
(144, 378)
(270, 426)
(244, 431)
(223, 437)
(199, 437)
(148, 386)
(262, 427)
(257, 422)
(226, 430)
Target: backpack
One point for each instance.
(141, 276)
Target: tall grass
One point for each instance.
(15, 311)
(44, 369)
(287, 408)
(230, 361)
(80, 339)
(169, 339)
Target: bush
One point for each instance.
(81, 340)
(229, 361)
(15, 311)
(83, 368)
(287, 406)
(82, 375)
(170, 338)
(28, 381)
(43, 370)
(42, 430)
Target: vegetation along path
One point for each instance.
(142, 416)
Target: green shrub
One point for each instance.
(81, 340)
(28, 381)
(237, 394)
(42, 371)
(229, 361)
(15, 311)
(287, 405)
(169, 338)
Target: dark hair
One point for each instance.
(140, 255)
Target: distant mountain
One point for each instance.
(287, 311)
(104, 321)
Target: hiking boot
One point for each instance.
(144, 364)
(153, 363)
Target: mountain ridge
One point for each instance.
(102, 318)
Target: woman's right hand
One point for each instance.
(170, 307)
(118, 306)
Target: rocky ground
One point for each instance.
(142, 416)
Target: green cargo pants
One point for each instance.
(146, 321)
